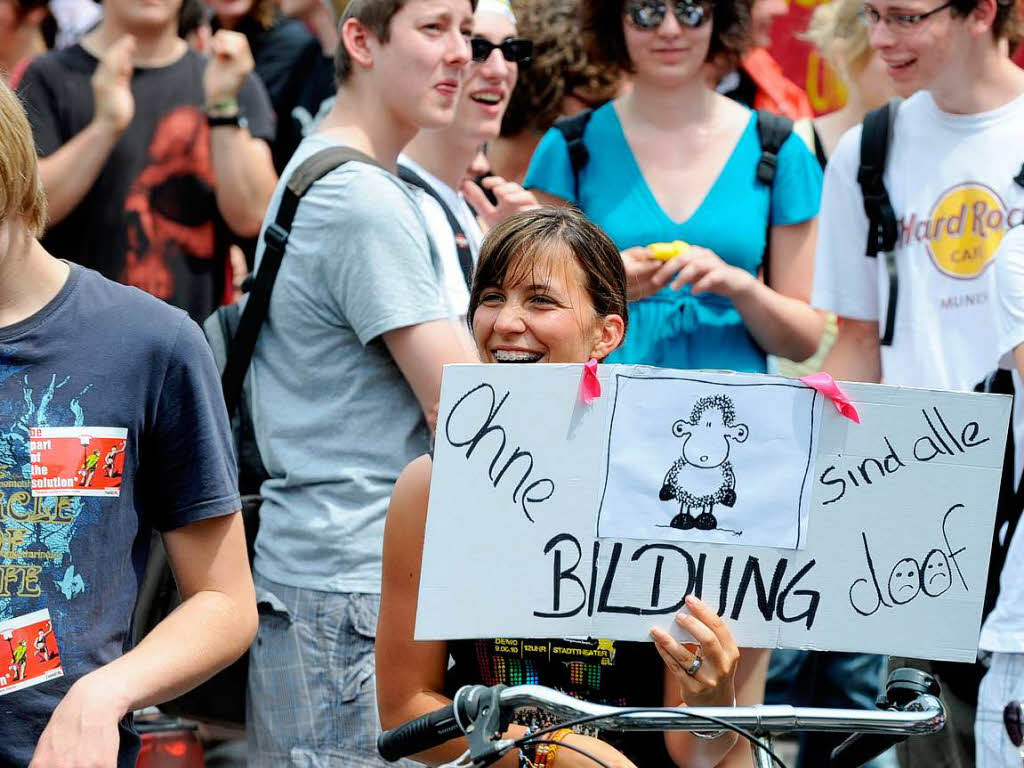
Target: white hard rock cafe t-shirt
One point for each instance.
(950, 180)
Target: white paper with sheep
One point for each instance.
(692, 458)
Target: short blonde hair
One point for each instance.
(21, 192)
(839, 34)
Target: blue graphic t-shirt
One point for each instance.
(112, 424)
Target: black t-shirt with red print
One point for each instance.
(151, 218)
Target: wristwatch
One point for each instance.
(225, 112)
(237, 120)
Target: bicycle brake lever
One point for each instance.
(483, 707)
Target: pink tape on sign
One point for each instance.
(828, 387)
(591, 384)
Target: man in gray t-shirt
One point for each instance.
(335, 419)
(345, 381)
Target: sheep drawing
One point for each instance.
(703, 476)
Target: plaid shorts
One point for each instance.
(312, 700)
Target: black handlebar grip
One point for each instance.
(860, 748)
(419, 734)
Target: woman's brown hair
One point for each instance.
(606, 41)
(512, 247)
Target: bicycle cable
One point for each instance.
(533, 737)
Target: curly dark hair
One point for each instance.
(606, 41)
(560, 67)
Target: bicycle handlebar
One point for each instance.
(921, 715)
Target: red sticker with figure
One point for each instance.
(28, 652)
(77, 461)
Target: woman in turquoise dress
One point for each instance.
(674, 160)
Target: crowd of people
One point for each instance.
(478, 181)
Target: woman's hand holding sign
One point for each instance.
(703, 675)
(706, 672)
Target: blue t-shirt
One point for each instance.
(112, 424)
(674, 328)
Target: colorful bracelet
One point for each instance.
(546, 753)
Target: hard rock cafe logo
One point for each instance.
(963, 230)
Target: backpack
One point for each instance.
(772, 132)
(232, 332)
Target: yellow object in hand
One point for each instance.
(666, 251)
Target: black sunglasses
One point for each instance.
(648, 14)
(515, 49)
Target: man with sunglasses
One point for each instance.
(438, 161)
(955, 147)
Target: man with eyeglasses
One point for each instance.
(955, 148)
(438, 161)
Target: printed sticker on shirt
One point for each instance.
(28, 652)
(77, 461)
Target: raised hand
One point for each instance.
(511, 198)
(111, 85)
(230, 62)
(712, 681)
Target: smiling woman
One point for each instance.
(550, 288)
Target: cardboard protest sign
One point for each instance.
(551, 518)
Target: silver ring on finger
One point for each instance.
(695, 664)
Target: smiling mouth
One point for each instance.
(489, 99)
(516, 356)
(901, 66)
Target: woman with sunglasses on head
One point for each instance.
(550, 288)
(438, 161)
(673, 160)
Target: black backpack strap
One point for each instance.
(772, 132)
(876, 136)
(874, 151)
(572, 129)
(276, 235)
(1011, 502)
(409, 176)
